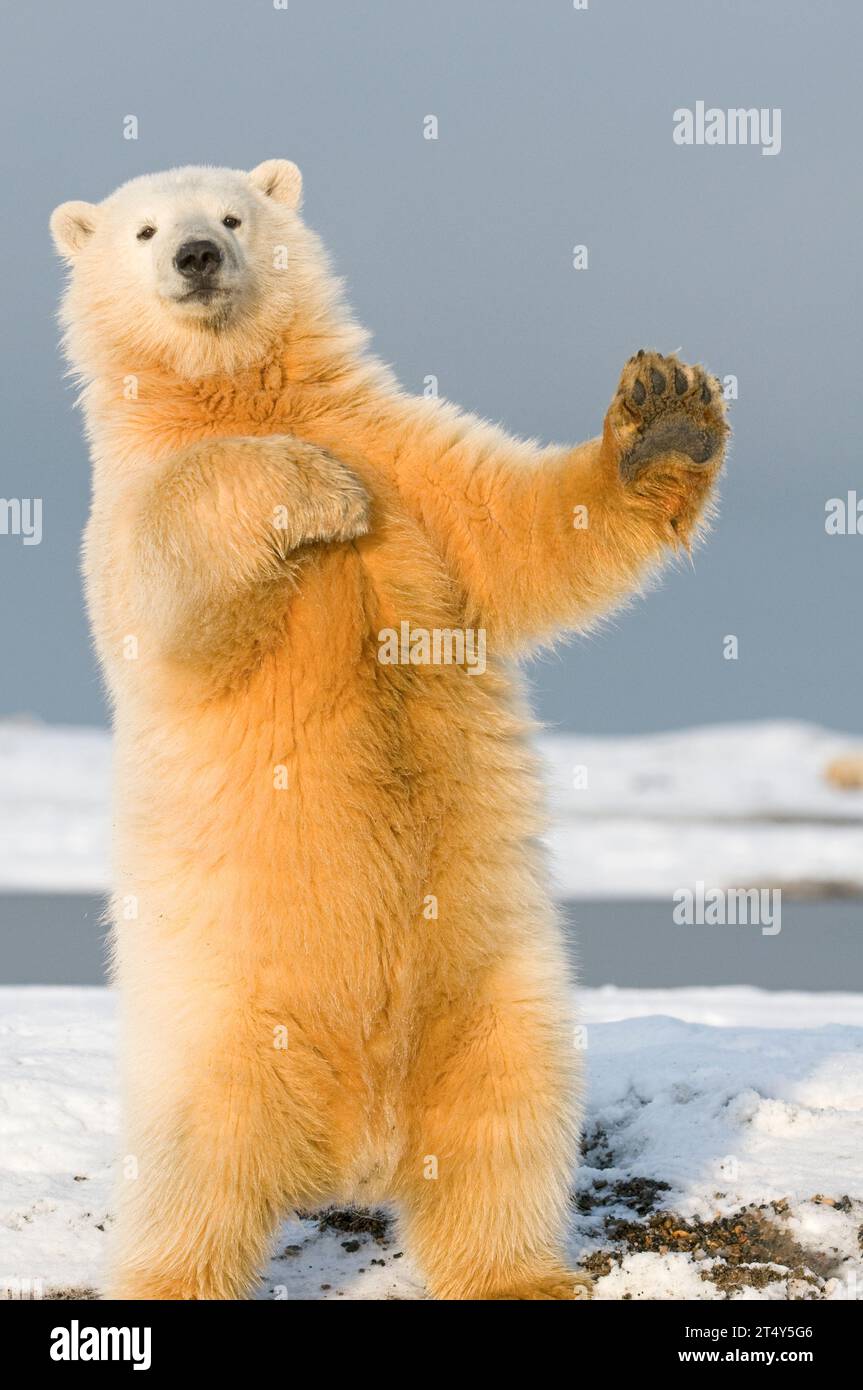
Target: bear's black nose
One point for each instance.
(198, 259)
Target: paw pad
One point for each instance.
(665, 407)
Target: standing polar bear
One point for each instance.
(340, 972)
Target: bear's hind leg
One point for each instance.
(213, 1171)
(485, 1181)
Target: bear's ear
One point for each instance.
(280, 180)
(72, 225)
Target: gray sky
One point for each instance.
(555, 128)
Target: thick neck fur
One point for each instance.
(301, 361)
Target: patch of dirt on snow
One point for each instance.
(70, 1295)
(639, 1194)
(355, 1221)
(746, 1249)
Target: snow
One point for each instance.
(736, 805)
(770, 770)
(54, 808)
(733, 1097)
(723, 1006)
(58, 1118)
(731, 1119)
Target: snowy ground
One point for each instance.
(738, 805)
(723, 1153)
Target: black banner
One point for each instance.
(66, 1338)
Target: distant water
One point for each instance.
(60, 939)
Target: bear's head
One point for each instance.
(196, 270)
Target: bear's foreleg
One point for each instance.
(543, 540)
(223, 522)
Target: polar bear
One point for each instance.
(340, 972)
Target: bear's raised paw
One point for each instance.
(664, 407)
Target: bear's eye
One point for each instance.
(231, 222)
(145, 233)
